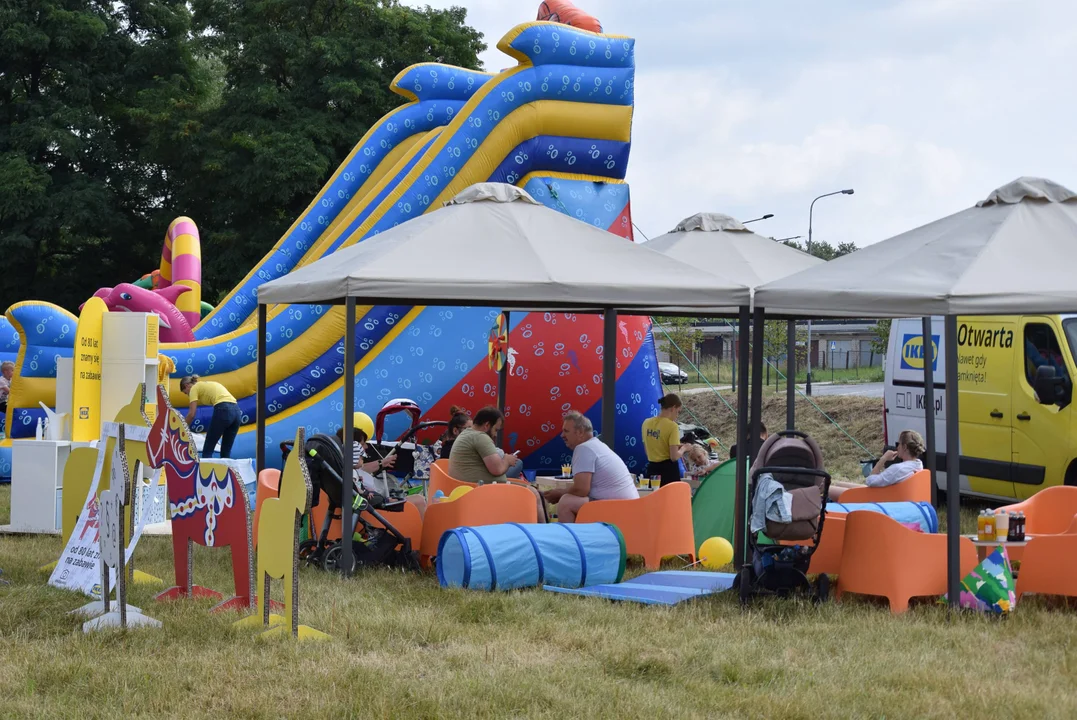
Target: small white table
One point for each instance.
(986, 547)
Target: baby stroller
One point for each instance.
(371, 545)
(410, 459)
(788, 472)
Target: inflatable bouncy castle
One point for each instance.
(558, 124)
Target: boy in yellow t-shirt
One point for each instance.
(662, 441)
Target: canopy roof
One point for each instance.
(1014, 252)
(714, 240)
(495, 245)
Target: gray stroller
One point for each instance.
(788, 471)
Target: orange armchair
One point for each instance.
(880, 557)
(827, 557)
(485, 505)
(441, 480)
(1049, 566)
(914, 489)
(1048, 512)
(656, 526)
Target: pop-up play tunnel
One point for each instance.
(512, 555)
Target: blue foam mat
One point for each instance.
(658, 588)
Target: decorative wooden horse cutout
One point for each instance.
(278, 549)
(208, 505)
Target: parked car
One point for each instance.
(671, 374)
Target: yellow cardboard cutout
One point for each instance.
(278, 550)
(86, 390)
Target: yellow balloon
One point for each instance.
(464, 490)
(715, 552)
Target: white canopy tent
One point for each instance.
(494, 245)
(714, 240)
(1013, 253)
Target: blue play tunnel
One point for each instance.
(511, 555)
(921, 513)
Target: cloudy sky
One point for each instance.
(922, 106)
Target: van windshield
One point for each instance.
(1070, 325)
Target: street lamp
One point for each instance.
(768, 216)
(791, 237)
(811, 213)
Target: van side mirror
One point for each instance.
(1051, 389)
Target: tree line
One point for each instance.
(116, 117)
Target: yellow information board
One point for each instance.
(153, 325)
(86, 390)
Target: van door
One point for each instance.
(1041, 433)
(985, 356)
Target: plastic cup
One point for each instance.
(530, 475)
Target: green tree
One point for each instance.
(304, 81)
(89, 91)
(672, 333)
(823, 249)
(880, 336)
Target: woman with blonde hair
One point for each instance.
(224, 425)
(910, 448)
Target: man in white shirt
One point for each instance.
(597, 472)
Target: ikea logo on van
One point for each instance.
(912, 352)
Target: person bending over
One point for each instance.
(597, 472)
(910, 448)
(224, 425)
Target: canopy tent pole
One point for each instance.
(953, 467)
(790, 375)
(348, 490)
(609, 377)
(757, 383)
(502, 386)
(929, 405)
(260, 393)
(740, 497)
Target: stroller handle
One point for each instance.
(782, 469)
(791, 433)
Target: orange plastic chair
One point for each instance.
(881, 557)
(407, 520)
(1049, 566)
(655, 526)
(1048, 512)
(268, 486)
(826, 560)
(914, 489)
(485, 505)
(441, 480)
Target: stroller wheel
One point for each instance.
(822, 588)
(743, 582)
(308, 550)
(332, 557)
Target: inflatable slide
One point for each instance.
(557, 124)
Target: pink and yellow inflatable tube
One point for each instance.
(181, 264)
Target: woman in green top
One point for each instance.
(224, 425)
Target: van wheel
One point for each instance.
(1071, 475)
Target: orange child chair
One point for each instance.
(268, 486)
(1048, 512)
(440, 480)
(1049, 566)
(656, 526)
(881, 557)
(914, 489)
(485, 505)
(827, 557)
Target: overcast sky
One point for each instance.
(922, 106)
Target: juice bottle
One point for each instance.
(981, 526)
(1002, 525)
(989, 525)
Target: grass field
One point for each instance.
(403, 647)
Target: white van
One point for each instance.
(1012, 445)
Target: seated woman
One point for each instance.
(363, 472)
(459, 421)
(910, 449)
